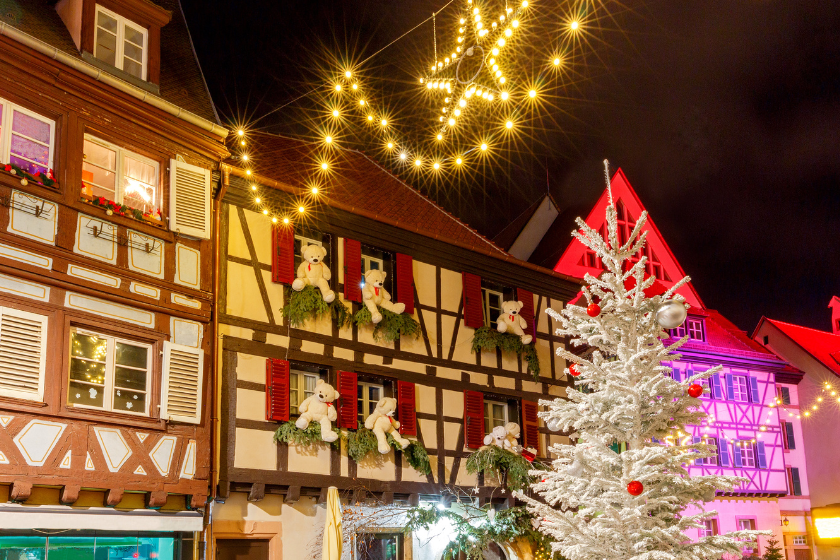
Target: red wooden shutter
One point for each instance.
(283, 254)
(348, 401)
(352, 270)
(527, 311)
(405, 282)
(473, 419)
(406, 408)
(276, 390)
(531, 426)
(473, 304)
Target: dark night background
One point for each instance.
(724, 115)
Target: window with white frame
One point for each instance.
(710, 528)
(747, 452)
(374, 259)
(109, 373)
(495, 414)
(695, 329)
(492, 305)
(121, 43)
(301, 386)
(713, 448)
(747, 525)
(740, 390)
(368, 395)
(800, 540)
(26, 138)
(120, 175)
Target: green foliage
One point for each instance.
(45, 179)
(488, 339)
(341, 315)
(473, 531)
(772, 551)
(509, 467)
(303, 305)
(289, 433)
(391, 327)
(363, 441)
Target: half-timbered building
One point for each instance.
(743, 425)
(451, 281)
(108, 144)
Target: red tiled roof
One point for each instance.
(822, 345)
(723, 334)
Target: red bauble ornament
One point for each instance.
(695, 390)
(593, 310)
(573, 370)
(635, 488)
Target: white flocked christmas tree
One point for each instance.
(622, 396)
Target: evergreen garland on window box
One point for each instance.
(475, 529)
(309, 304)
(488, 339)
(46, 179)
(391, 327)
(289, 433)
(363, 441)
(510, 468)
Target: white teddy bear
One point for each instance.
(313, 272)
(511, 321)
(382, 423)
(376, 296)
(504, 437)
(319, 408)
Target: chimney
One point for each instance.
(834, 305)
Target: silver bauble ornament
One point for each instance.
(553, 424)
(24, 182)
(109, 212)
(671, 314)
(491, 514)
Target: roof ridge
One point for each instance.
(802, 327)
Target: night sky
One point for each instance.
(724, 115)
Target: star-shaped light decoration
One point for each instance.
(474, 71)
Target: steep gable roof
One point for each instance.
(578, 260)
(823, 346)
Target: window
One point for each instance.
(695, 329)
(120, 175)
(678, 332)
(783, 395)
(379, 546)
(121, 43)
(301, 386)
(492, 305)
(368, 394)
(712, 443)
(800, 540)
(794, 484)
(710, 528)
(300, 242)
(109, 373)
(740, 390)
(108, 545)
(747, 525)
(747, 451)
(26, 138)
(788, 438)
(495, 414)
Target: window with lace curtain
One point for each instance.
(114, 173)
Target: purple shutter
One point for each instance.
(405, 282)
(527, 311)
(697, 462)
(473, 304)
(736, 453)
(283, 254)
(723, 452)
(352, 270)
(730, 387)
(788, 432)
(762, 457)
(717, 392)
(675, 373)
(755, 396)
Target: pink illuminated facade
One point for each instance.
(744, 423)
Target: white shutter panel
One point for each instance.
(189, 199)
(23, 354)
(183, 371)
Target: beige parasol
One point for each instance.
(332, 527)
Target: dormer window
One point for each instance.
(693, 327)
(121, 43)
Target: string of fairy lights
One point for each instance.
(476, 73)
